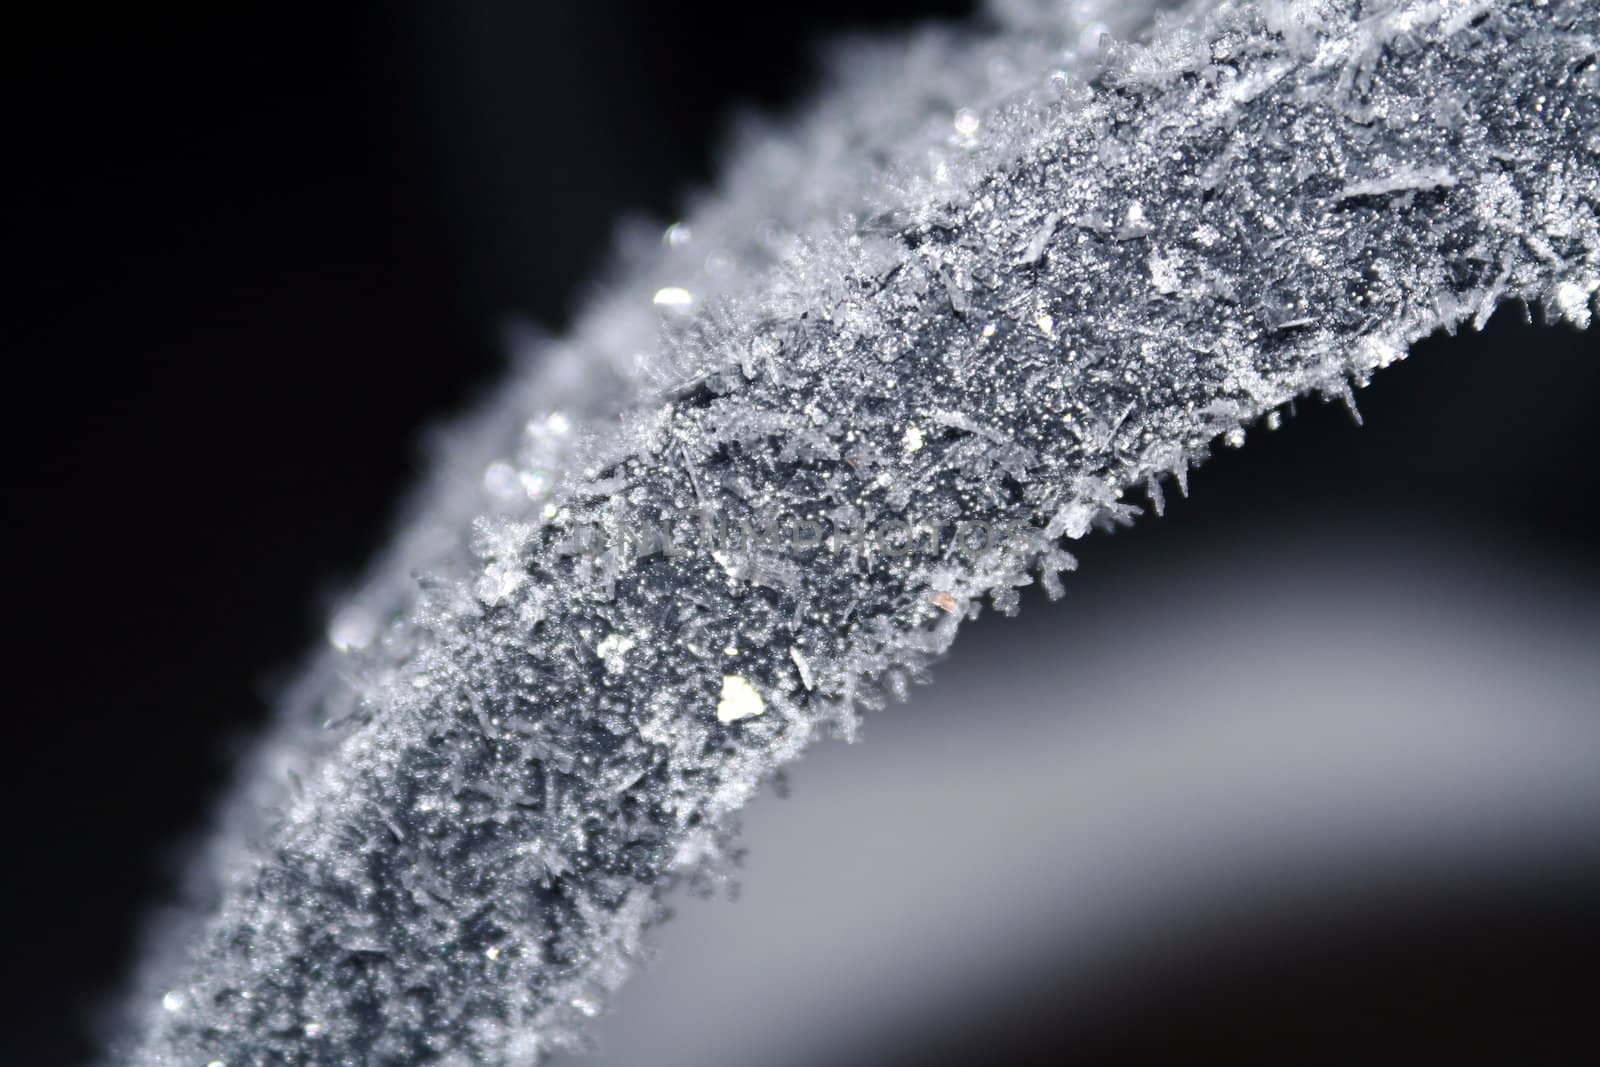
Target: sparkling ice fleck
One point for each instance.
(739, 700)
(674, 297)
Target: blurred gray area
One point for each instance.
(1321, 718)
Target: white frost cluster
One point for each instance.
(1003, 274)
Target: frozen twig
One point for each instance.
(1000, 276)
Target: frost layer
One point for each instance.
(1001, 274)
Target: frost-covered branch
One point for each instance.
(1002, 276)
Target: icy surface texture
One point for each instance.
(1007, 275)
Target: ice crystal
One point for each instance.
(1001, 275)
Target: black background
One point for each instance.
(259, 249)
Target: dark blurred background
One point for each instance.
(259, 248)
